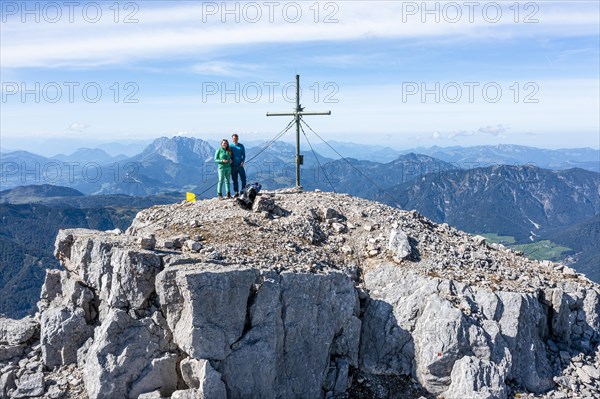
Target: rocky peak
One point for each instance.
(306, 295)
(179, 149)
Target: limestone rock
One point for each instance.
(31, 385)
(305, 305)
(285, 330)
(479, 240)
(399, 245)
(263, 203)
(132, 278)
(205, 310)
(63, 332)
(86, 253)
(326, 213)
(210, 383)
(148, 243)
(264, 330)
(122, 351)
(60, 291)
(411, 327)
(151, 395)
(476, 379)
(439, 339)
(7, 382)
(190, 371)
(8, 352)
(187, 394)
(192, 246)
(14, 332)
(160, 374)
(338, 227)
(55, 392)
(523, 322)
(593, 372)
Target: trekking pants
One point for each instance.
(235, 170)
(224, 177)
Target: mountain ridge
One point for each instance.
(356, 297)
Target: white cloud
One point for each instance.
(228, 69)
(77, 127)
(493, 130)
(172, 31)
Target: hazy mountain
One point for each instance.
(127, 147)
(49, 147)
(36, 193)
(185, 164)
(508, 200)
(23, 168)
(526, 203)
(275, 167)
(19, 157)
(84, 155)
(510, 154)
(177, 149)
(168, 164)
(365, 152)
(348, 175)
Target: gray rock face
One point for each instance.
(423, 327)
(476, 379)
(201, 376)
(8, 352)
(14, 332)
(127, 353)
(63, 332)
(7, 382)
(30, 386)
(302, 301)
(160, 375)
(67, 311)
(122, 276)
(208, 312)
(523, 324)
(272, 335)
(59, 290)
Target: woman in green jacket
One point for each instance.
(223, 158)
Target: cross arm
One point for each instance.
(297, 113)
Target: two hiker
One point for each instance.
(230, 160)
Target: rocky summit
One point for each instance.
(306, 295)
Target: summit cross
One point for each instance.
(298, 114)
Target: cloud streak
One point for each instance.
(187, 31)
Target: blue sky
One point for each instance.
(483, 73)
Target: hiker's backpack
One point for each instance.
(249, 192)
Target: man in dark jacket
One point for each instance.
(237, 167)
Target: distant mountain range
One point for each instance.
(183, 163)
(367, 179)
(510, 154)
(476, 156)
(519, 201)
(523, 203)
(90, 155)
